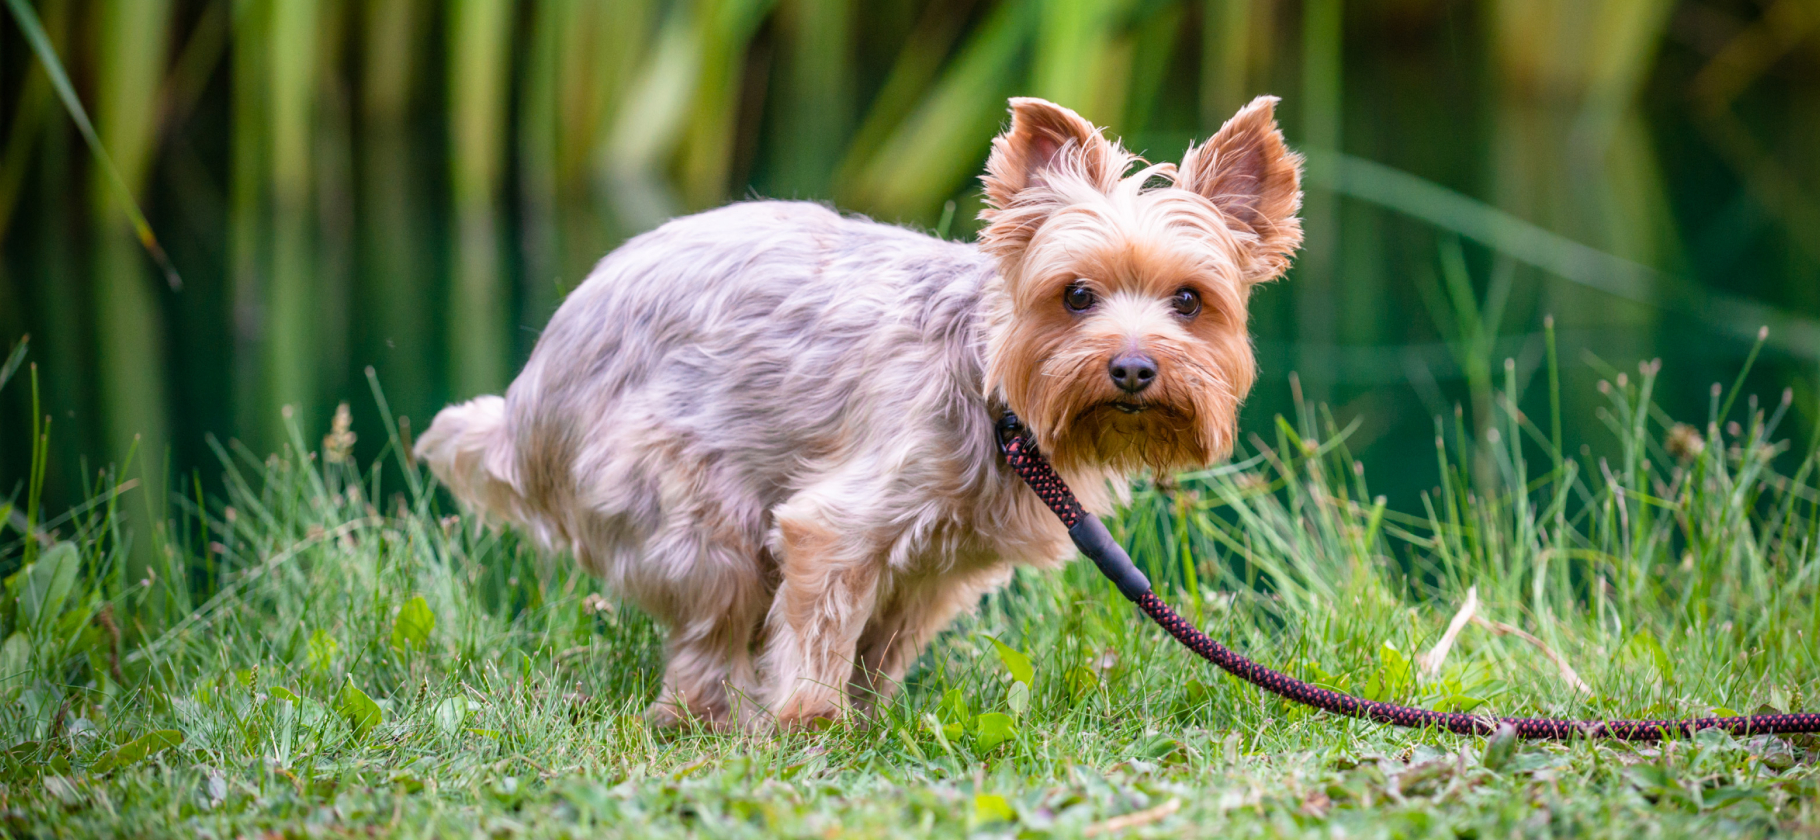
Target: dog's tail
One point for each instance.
(469, 449)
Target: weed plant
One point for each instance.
(330, 649)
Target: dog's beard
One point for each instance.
(1086, 424)
(1128, 435)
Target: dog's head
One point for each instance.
(1120, 336)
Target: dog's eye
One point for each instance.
(1186, 303)
(1078, 298)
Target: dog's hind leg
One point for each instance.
(708, 671)
(703, 677)
(700, 571)
(712, 613)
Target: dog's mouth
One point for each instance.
(1130, 407)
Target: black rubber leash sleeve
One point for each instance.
(1092, 538)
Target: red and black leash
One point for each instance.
(1091, 536)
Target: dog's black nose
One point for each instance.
(1133, 372)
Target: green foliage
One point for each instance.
(136, 750)
(1391, 678)
(41, 587)
(413, 625)
(1016, 662)
(358, 709)
(117, 183)
(993, 728)
(989, 808)
(322, 650)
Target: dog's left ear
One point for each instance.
(1253, 178)
(1047, 150)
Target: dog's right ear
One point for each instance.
(1047, 138)
(1047, 149)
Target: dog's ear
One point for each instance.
(1247, 172)
(1043, 137)
(1046, 145)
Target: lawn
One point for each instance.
(327, 648)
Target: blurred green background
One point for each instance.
(412, 186)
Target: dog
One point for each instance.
(770, 426)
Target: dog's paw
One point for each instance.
(811, 713)
(666, 714)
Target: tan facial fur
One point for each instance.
(1063, 212)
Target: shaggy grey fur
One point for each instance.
(763, 356)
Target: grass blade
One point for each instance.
(60, 80)
(936, 149)
(13, 360)
(1532, 244)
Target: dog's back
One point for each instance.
(708, 368)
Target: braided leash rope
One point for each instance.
(1094, 541)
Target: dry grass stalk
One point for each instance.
(1567, 671)
(1126, 822)
(1431, 661)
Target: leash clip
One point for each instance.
(1009, 428)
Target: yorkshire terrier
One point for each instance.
(770, 426)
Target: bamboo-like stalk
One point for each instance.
(600, 53)
(1745, 57)
(396, 272)
(129, 321)
(814, 110)
(724, 29)
(1233, 43)
(915, 68)
(479, 40)
(1571, 71)
(1080, 60)
(578, 56)
(248, 213)
(289, 347)
(539, 130)
(29, 114)
(598, 49)
(1568, 155)
(1316, 310)
(333, 171)
(1151, 46)
(937, 148)
(1801, 267)
(61, 333)
(646, 126)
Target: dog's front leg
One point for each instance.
(828, 591)
(902, 628)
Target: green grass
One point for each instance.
(328, 650)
